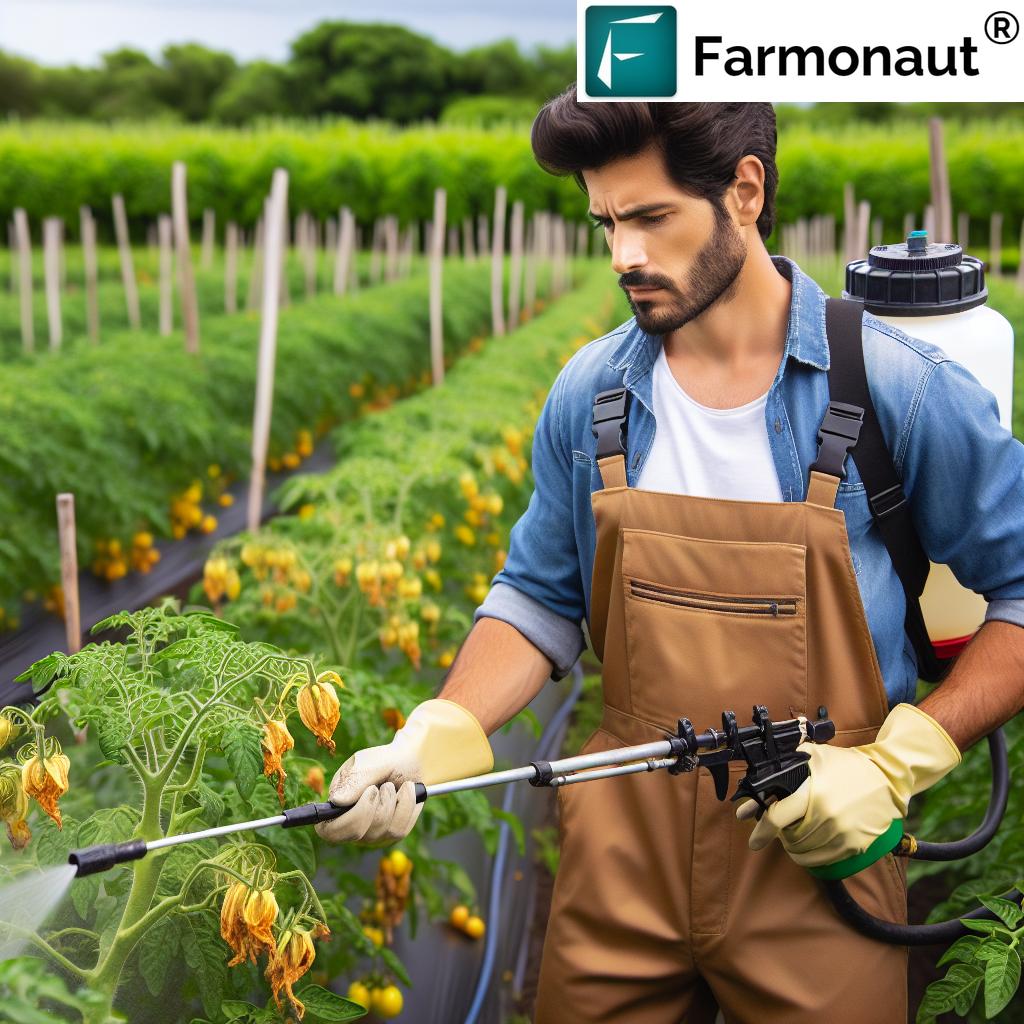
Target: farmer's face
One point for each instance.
(681, 244)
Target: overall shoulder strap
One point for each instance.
(847, 380)
(609, 426)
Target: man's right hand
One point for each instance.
(439, 742)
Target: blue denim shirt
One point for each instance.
(962, 472)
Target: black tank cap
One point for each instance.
(917, 278)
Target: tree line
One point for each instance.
(338, 68)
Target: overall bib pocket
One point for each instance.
(708, 614)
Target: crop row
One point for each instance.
(143, 434)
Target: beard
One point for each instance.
(711, 279)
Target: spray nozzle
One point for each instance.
(93, 859)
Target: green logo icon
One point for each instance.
(630, 51)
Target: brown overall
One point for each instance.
(661, 913)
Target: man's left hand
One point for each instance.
(853, 794)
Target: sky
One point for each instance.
(77, 31)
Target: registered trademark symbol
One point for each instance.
(1002, 27)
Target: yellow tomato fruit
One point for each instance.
(360, 994)
(400, 863)
(459, 916)
(387, 1002)
(475, 927)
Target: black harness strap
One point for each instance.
(847, 378)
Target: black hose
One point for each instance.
(944, 931)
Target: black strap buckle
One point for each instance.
(883, 504)
(837, 434)
(611, 409)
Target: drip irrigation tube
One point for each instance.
(549, 742)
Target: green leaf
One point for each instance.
(211, 801)
(959, 986)
(205, 954)
(83, 894)
(52, 845)
(1007, 911)
(157, 951)
(1002, 976)
(235, 1008)
(324, 1005)
(395, 965)
(983, 926)
(241, 745)
(113, 731)
(962, 950)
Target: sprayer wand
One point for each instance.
(774, 769)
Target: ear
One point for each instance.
(746, 193)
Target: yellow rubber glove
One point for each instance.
(439, 742)
(854, 794)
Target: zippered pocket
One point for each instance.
(727, 604)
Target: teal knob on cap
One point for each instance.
(885, 843)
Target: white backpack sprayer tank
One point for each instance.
(935, 292)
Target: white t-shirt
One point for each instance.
(707, 453)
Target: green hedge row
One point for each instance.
(126, 425)
(51, 169)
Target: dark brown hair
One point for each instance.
(701, 142)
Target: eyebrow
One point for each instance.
(631, 214)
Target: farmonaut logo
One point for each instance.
(631, 51)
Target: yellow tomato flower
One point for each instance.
(320, 709)
(46, 782)
(276, 740)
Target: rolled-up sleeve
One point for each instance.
(539, 590)
(964, 476)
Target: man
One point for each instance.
(713, 571)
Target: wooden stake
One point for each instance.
(53, 230)
(131, 289)
(28, 331)
(929, 223)
(12, 246)
(254, 297)
(963, 229)
(436, 263)
(516, 264)
(92, 306)
(391, 247)
(995, 244)
(209, 238)
(557, 256)
(375, 254)
(498, 264)
(467, 240)
(863, 224)
(276, 219)
(940, 184)
(344, 256)
(909, 220)
(876, 232)
(69, 571)
(309, 255)
(186, 279)
(849, 223)
(530, 282)
(165, 242)
(231, 268)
